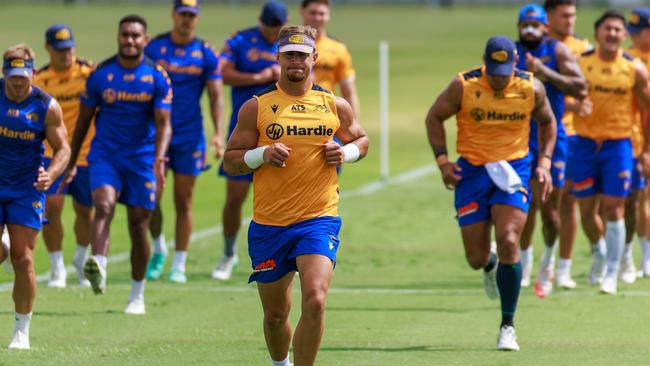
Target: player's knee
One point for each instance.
(22, 262)
(314, 303)
(235, 201)
(139, 222)
(183, 205)
(613, 211)
(477, 260)
(276, 318)
(507, 247)
(103, 209)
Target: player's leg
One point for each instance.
(550, 230)
(644, 231)
(104, 201)
(276, 303)
(4, 245)
(568, 231)
(53, 238)
(82, 229)
(526, 247)
(138, 221)
(631, 210)
(157, 262)
(236, 193)
(183, 193)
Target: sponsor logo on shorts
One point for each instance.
(37, 205)
(265, 266)
(152, 197)
(150, 185)
(583, 185)
(558, 164)
(624, 174)
(467, 210)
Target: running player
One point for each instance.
(561, 25)
(28, 117)
(603, 152)
(639, 29)
(493, 105)
(127, 156)
(285, 134)
(65, 79)
(334, 65)
(192, 65)
(553, 63)
(248, 65)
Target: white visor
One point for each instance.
(297, 48)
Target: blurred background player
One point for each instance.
(561, 24)
(602, 161)
(64, 78)
(249, 65)
(295, 223)
(491, 177)
(127, 156)
(334, 65)
(192, 65)
(29, 116)
(552, 63)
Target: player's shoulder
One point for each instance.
(318, 88)
(523, 75)
(588, 53)
(106, 64)
(627, 56)
(334, 40)
(160, 37)
(267, 91)
(41, 96)
(474, 73)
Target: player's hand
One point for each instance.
(159, 167)
(276, 155)
(585, 107)
(219, 146)
(545, 181)
(334, 154)
(43, 182)
(68, 177)
(644, 164)
(531, 64)
(275, 71)
(449, 175)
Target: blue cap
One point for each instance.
(499, 56)
(532, 13)
(190, 6)
(274, 14)
(639, 20)
(18, 67)
(59, 36)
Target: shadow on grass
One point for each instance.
(414, 309)
(423, 348)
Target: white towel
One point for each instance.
(504, 176)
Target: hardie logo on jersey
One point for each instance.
(109, 95)
(608, 90)
(274, 108)
(479, 115)
(298, 108)
(274, 131)
(62, 35)
(255, 54)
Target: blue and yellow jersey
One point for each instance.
(126, 99)
(611, 90)
(189, 67)
(22, 132)
(66, 87)
(639, 127)
(578, 46)
(493, 125)
(307, 187)
(249, 51)
(334, 63)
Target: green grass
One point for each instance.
(402, 292)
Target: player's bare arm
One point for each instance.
(642, 91)
(543, 116)
(215, 95)
(447, 104)
(349, 93)
(349, 132)
(570, 79)
(162, 119)
(57, 137)
(86, 114)
(231, 76)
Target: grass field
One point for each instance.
(402, 292)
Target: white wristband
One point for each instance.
(350, 153)
(255, 157)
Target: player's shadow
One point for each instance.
(413, 309)
(422, 348)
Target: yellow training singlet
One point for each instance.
(307, 187)
(611, 92)
(66, 87)
(334, 63)
(492, 125)
(578, 46)
(638, 128)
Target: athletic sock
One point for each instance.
(526, 256)
(22, 322)
(509, 283)
(491, 263)
(180, 256)
(56, 260)
(137, 290)
(563, 265)
(102, 260)
(645, 248)
(284, 362)
(548, 258)
(230, 245)
(615, 239)
(599, 248)
(627, 252)
(159, 245)
(80, 254)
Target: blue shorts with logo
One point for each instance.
(638, 181)
(132, 178)
(79, 188)
(187, 159)
(273, 249)
(602, 167)
(22, 207)
(558, 161)
(475, 194)
(571, 141)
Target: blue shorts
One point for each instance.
(638, 181)
(24, 208)
(568, 172)
(476, 193)
(605, 169)
(132, 178)
(188, 159)
(273, 249)
(79, 188)
(558, 161)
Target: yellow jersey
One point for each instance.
(639, 125)
(66, 87)
(578, 46)
(611, 91)
(307, 187)
(334, 63)
(493, 125)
